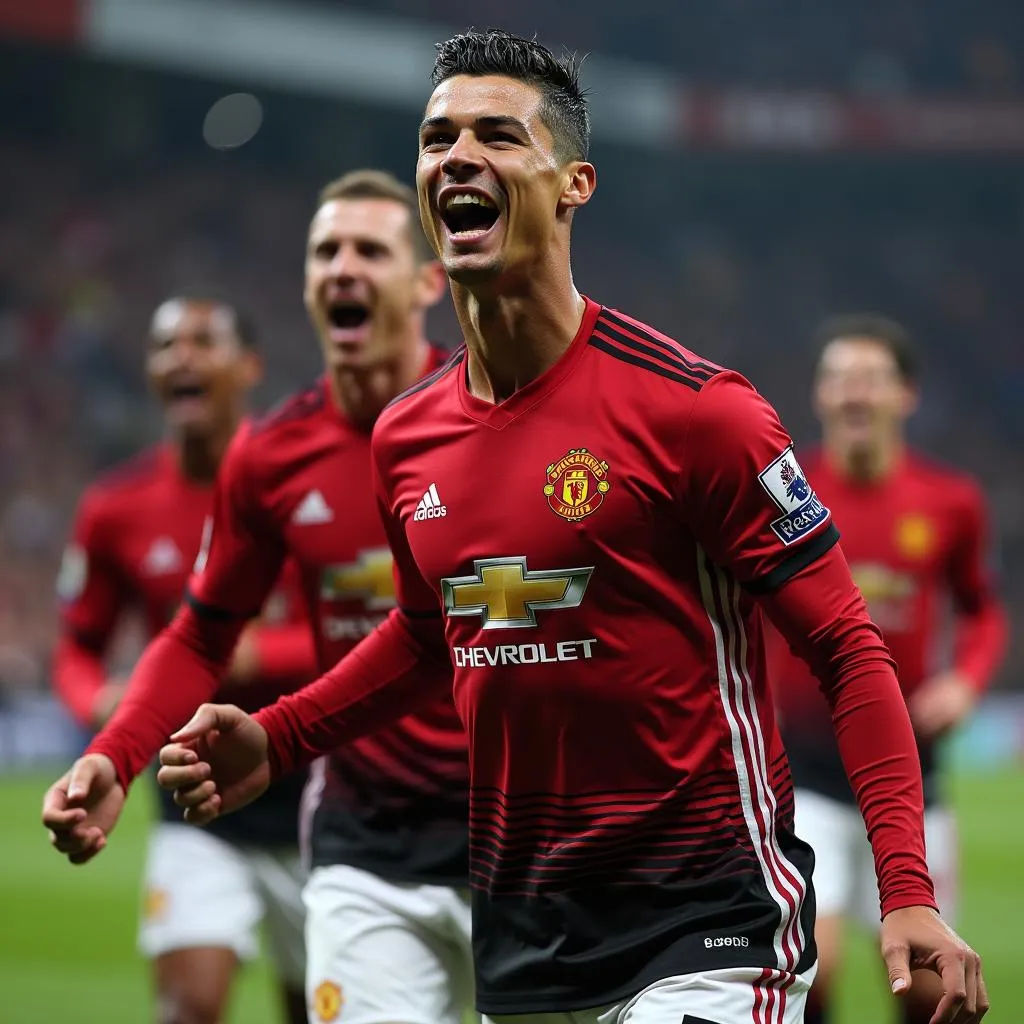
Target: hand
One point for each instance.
(245, 662)
(917, 938)
(941, 704)
(107, 699)
(82, 807)
(215, 764)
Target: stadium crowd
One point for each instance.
(742, 270)
(864, 48)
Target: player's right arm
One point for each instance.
(184, 666)
(92, 595)
(402, 665)
(179, 670)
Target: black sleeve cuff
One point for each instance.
(800, 559)
(211, 611)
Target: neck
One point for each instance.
(361, 394)
(200, 457)
(867, 464)
(513, 339)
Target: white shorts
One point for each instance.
(386, 951)
(738, 995)
(844, 868)
(200, 891)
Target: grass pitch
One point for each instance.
(67, 935)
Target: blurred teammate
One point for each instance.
(916, 536)
(386, 818)
(136, 536)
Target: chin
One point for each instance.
(473, 267)
(193, 428)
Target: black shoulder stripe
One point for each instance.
(432, 378)
(800, 559)
(628, 357)
(611, 336)
(211, 611)
(620, 326)
(292, 407)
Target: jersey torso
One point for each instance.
(145, 528)
(630, 803)
(900, 537)
(146, 524)
(394, 803)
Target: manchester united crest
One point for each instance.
(576, 484)
(916, 536)
(327, 1001)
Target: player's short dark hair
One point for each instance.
(242, 323)
(497, 52)
(889, 333)
(373, 184)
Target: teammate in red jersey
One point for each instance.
(135, 538)
(916, 537)
(616, 512)
(388, 922)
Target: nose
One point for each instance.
(183, 351)
(464, 157)
(343, 266)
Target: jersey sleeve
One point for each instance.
(822, 615)
(745, 497)
(92, 594)
(981, 629)
(402, 665)
(242, 555)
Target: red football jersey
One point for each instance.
(589, 554)
(298, 483)
(918, 544)
(133, 544)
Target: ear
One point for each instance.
(816, 388)
(251, 368)
(910, 401)
(431, 284)
(581, 180)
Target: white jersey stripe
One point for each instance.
(792, 880)
(432, 493)
(312, 794)
(785, 874)
(743, 729)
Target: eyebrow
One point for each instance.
(488, 121)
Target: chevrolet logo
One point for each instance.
(506, 595)
(370, 578)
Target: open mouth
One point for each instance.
(468, 215)
(347, 316)
(183, 392)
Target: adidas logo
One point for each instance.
(430, 506)
(312, 510)
(162, 558)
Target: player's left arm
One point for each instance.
(758, 522)
(980, 625)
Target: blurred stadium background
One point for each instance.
(760, 165)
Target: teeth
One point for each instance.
(467, 199)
